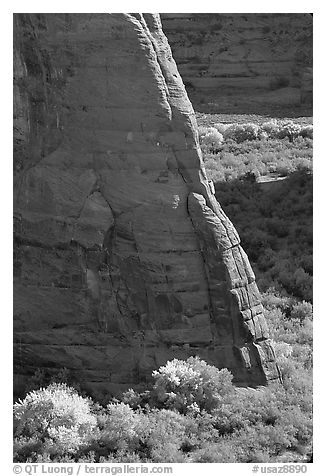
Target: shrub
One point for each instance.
(251, 131)
(241, 132)
(222, 451)
(56, 415)
(283, 351)
(220, 127)
(302, 284)
(164, 435)
(233, 132)
(121, 427)
(191, 385)
(264, 423)
(248, 407)
(210, 138)
(246, 149)
(289, 129)
(241, 425)
(135, 399)
(271, 128)
(214, 168)
(302, 311)
(24, 447)
(121, 456)
(307, 131)
(254, 442)
(273, 299)
(262, 135)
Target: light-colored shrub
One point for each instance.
(121, 427)
(214, 168)
(56, 414)
(289, 129)
(221, 452)
(165, 432)
(220, 127)
(262, 135)
(241, 132)
(283, 351)
(191, 385)
(251, 131)
(302, 311)
(271, 128)
(210, 137)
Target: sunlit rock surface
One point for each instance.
(123, 257)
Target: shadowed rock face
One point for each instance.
(123, 257)
(246, 51)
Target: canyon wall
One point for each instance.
(246, 51)
(123, 258)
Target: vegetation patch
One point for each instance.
(276, 229)
(232, 150)
(192, 412)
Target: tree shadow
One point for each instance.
(275, 224)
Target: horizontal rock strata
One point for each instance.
(123, 257)
(240, 50)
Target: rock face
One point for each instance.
(240, 50)
(123, 257)
(306, 91)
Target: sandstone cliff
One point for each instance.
(123, 257)
(241, 51)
